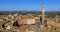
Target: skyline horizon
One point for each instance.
(31, 10)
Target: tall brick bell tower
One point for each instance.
(43, 16)
(43, 10)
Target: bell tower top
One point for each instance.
(43, 8)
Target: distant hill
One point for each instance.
(32, 12)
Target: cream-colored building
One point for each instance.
(27, 19)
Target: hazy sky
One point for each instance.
(29, 5)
